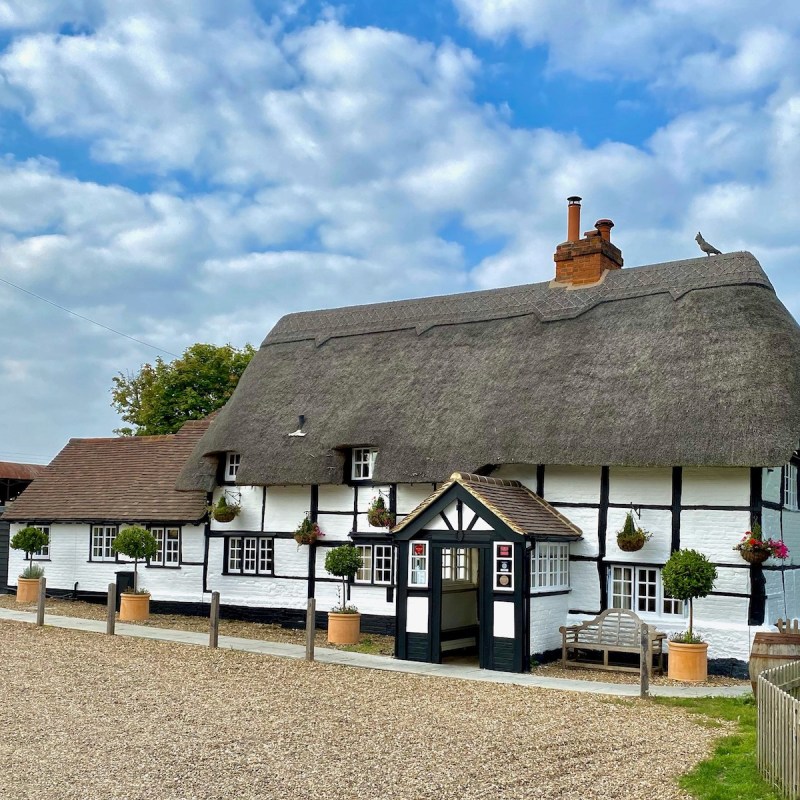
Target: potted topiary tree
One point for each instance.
(687, 575)
(344, 621)
(31, 540)
(136, 543)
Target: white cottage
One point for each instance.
(94, 487)
(510, 431)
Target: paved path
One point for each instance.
(326, 656)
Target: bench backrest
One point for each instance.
(615, 626)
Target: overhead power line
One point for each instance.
(86, 319)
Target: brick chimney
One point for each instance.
(581, 262)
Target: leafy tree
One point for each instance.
(31, 540)
(137, 543)
(162, 396)
(687, 575)
(343, 561)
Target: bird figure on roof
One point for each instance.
(707, 248)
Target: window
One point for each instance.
(44, 553)
(250, 555)
(418, 564)
(169, 547)
(376, 564)
(790, 486)
(102, 538)
(550, 566)
(639, 589)
(232, 461)
(457, 564)
(363, 463)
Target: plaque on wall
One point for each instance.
(504, 567)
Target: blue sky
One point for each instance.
(190, 172)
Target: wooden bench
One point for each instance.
(613, 631)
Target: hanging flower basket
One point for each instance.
(378, 515)
(754, 549)
(307, 532)
(224, 511)
(630, 538)
(755, 556)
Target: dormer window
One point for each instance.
(232, 466)
(363, 463)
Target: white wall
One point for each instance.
(69, 562)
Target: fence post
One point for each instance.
(213, 632)
(111, 607)
(40, 601)
(645, 660)
(311, 627)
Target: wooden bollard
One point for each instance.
(311, 627)
(111, 609)
(40, 602)
(645, 659)
(213, 632)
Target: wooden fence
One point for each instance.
(779, 728)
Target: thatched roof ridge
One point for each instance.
(690, 362)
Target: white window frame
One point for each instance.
(44, 553)
(418, 565)
(168, 538)
(457, 564)
(364, 574)
(550, 567)
(377, 564)
(232, 462)
(250, 555)
(646, 591)
(363, 463)
(102, 538)
(790, 487)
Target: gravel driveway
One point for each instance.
(89, 717)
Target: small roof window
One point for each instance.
(363, 463)
(232, 461)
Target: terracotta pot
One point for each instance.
(688, 662)
(772, 650)
(344, 628)
(755, 556)
(27, 590)
(134, 607)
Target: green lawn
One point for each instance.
(732, 772)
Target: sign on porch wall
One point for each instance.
(504, 566)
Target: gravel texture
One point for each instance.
(85, 716)
(370, 643)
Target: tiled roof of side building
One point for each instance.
(124, 479)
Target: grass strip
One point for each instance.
(732, 771)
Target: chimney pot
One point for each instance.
(573, 218)
(604, 226)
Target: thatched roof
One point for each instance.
(521, 509)
(691, 362)
(127, 479)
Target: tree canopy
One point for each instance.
(160, 397)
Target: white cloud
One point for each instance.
(342, 165)
(710, 46)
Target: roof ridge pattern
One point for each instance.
(543, 300)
